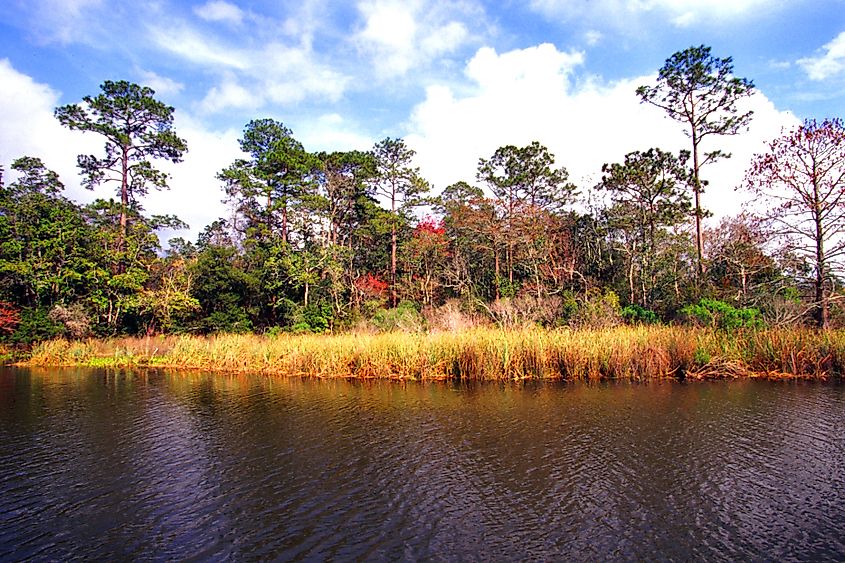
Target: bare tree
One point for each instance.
(803, 174)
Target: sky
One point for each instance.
(455, 79)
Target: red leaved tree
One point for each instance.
(803, 175)
(10, 317)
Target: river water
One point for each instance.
(165, 465)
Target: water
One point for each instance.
(115, 466)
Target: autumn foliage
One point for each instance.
(10, 317)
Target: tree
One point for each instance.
(473, 231)
(648, 194)
(803, 175)
(137, 128)
(699, 90)
(45, 250)
(398, 181)
(425, 254)
(343, 177)
(526, 185)
(739, 266)
(272, 181)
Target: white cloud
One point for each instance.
(584, 126)
(252, 76)
(188, 44)
(220, 11)
(195, 193)
(29, 128)
(229, 94)
(331, 132)
(533, 67)
(400, 35)
(593, 37)
(62, 21)
(161, 84)
(681, 13)
(829, 63)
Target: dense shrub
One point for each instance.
(720, 315)
(35, 325)
(636, 314)
(315, 318)
(597, 309)
(404, 317)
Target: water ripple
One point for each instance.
(127, 465)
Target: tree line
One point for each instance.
(319, 241)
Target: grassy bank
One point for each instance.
(481, 354)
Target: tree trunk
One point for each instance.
(124, 199)
(498, 272)
(393, 296)
(699, 239)
(822, 312)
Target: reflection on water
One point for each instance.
(184, 465)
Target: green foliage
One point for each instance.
(636, 314)
(526, 174)
(315, 318)
(35, 325)
(701, 357)
(597, 309)
(136, 127)
(506, 287)
(723, 316)
(404, 317)
(224, 291)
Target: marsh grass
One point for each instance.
(630, 353)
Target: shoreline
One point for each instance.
(622, 353)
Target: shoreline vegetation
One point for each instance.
(483, 354)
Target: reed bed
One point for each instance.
(629, 353)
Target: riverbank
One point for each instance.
(629, 353)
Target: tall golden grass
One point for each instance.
(631, 353)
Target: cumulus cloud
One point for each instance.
(331, 132)
(220, 11)
(527, 95)
(229, 94)
(195, 193)
(399, 35)
(29, 128)
(829, 63)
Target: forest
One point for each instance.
(353, 240)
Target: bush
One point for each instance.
(453, 315)
(229, 320)
(637, 315)
(35, 325)
(404, 317)
(10, 318)
(315, 318)
(74, 318)
(720, 315)
(527, 310)
(597, 310)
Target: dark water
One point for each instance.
(122, 466)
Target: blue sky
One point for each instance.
(455, 79)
